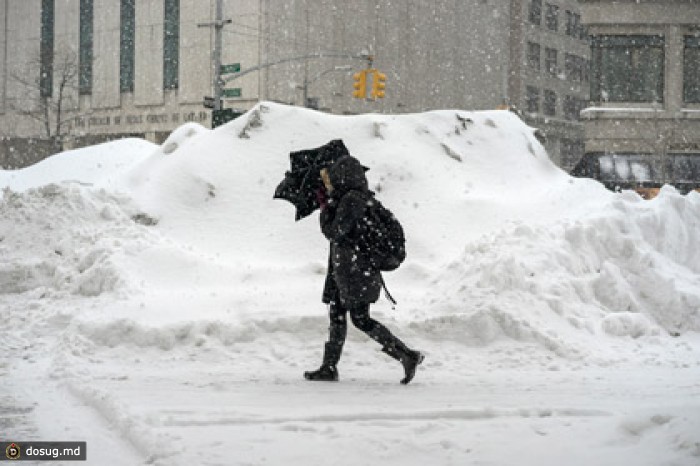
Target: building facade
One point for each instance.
(643, 127)
(77, 72)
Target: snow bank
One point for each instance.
(180, 303)
(63, 240)
(502, 244)
(630, 270)
(89, 165)
(131, 333)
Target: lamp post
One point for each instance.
(307, 82)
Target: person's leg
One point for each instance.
(390, 344)
(338, 328)
(333, 348)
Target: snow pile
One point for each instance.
(629, 271)
(541, 257)
(99, 163)
(59, 240)
(180, 302)
(215, 190)
(502, 244)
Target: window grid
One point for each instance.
(535, 15)
(127, 45)
(550, 103)
(86, 51)
(691, 69)
(46, 48)
(552, 17)
(532, 99)
(533, 55)
(628, 68)
(171, 44)
(551, 61)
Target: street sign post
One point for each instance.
(230, 69)
(233, 92)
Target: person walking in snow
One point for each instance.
(352, 283)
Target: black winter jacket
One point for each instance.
(350, 276)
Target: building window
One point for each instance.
(583, 33)
(573, 106)
(691, 70)
(573, 25)
(171, 44)
(127, 30)
(551, 18)
(550, 61)
(575, 68)
(628, 69)
(572, 151)
(532, 99)
(533, 55)
(86, 30)
(550, 103)
(46, 48)
(536, 12)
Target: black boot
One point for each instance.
(328, 371)
(397, 350)
(407, 357)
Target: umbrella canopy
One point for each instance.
(303, 180)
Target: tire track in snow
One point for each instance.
(185, 420)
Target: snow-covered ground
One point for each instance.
(157, 303)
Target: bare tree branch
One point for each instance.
(49, 111)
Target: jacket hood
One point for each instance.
(347, 174)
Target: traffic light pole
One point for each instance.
(308, 82)
(218, 24)
(253, 69)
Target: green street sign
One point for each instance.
(235, 92)
(232, 68)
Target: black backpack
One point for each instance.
(382, 237)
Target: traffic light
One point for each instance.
(378, 84)
(360, 84)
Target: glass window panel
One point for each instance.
(86, 33)
(533, 55)
(171, 44)
(622, 168)
(46, 48)
(606, 166)
(550, 103)
(627, 69)
(533, 99)
(550, 61)
(127, 46)
(552, 17)
(691, 70)
(536, 12)
(641, 171)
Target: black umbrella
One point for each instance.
(301, 183)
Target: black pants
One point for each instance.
(359, 315)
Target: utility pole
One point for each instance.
(218, 25)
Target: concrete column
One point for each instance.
(148, 86)
(195, 52)
(105, 65)
(3, 54)
(674, 70)
(515, 54)
(66, 50)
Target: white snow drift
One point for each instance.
(167, 290)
